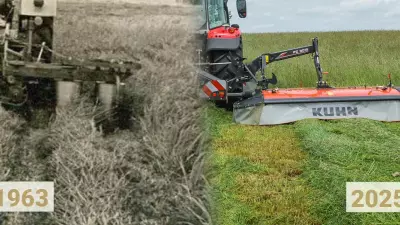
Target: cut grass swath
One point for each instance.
(255, 174)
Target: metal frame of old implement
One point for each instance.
(229, 82)
(29, 78)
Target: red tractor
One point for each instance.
(231, 83)
(226, 79)
(221, 54)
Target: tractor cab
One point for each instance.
(215, 13)
(218, 14)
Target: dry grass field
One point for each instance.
(151, 173)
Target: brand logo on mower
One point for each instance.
(282, 55)
(300, 51)
(335, 111)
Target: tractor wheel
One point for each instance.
(228, 72)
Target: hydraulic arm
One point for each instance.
(261, 62)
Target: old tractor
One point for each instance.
(30, 80)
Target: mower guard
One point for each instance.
(273, 107)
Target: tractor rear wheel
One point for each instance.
(228, 72)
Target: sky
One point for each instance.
(317, 15)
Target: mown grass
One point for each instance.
(252, 163)
(255, 174)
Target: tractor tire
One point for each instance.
(228, 72)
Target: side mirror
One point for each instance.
(241, 8)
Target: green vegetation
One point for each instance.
(296, 174)
(351, 58)
(256, 174)
(347, 151)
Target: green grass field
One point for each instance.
(297, 174)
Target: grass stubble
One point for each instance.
(151, 173)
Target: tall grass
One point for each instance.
(347, 151)
(351, 58)
(151, 173)
(10, 129)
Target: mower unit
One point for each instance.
(275, 106)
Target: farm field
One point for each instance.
(149, 171)
(296, 173)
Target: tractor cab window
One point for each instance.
(217, 13)
(201, 15)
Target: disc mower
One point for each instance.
(29, 77)
(228, 81)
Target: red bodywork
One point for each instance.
(330, 92)
(224, 32)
